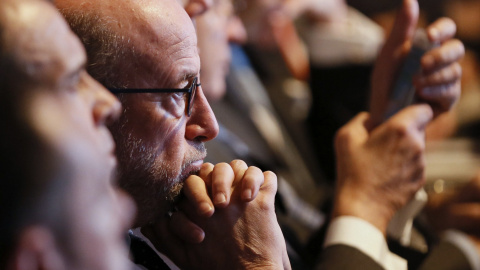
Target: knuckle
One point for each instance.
(446, 25)
(222, 169)
(343, 136)
(451, 51)
(254, 169)
(451, 73)
(438, 56)
(399, 128)
(444, 75)
(459, 46)
(449, 21)
(457, 70)
(253, 177)
(418, 148)
(206, 166)
(237, 163)
(222, 165)
(271, 175)
(271, 180)
(265, 205)
(192, 180)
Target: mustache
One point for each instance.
(199, 152)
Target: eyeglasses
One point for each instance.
(190, 92)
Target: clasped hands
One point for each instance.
(226, 220)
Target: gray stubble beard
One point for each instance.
(147, 180)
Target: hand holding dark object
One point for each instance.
(438, 84)
(380, 169)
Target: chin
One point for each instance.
(174, 192)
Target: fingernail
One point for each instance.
(205, 208)
(428, 61)
(247, 194)
(220, 198)
(433, 33)
(197, 236)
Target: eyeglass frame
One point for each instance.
(191, 91)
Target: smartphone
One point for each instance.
(403, 91)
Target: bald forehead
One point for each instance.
(134, 18)
(143, 38)
(164, 36)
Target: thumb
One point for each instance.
(391, 58)
(405, 24)
(415, 116)
(354, 132)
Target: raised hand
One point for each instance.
(439, 82)
(380, 169)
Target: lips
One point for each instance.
(193, 160)
(190, 168)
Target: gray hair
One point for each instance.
(105, 48)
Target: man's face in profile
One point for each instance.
(158, 144)
(70, 109)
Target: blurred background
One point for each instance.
(302, 70)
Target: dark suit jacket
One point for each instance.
(142, 254)
(338, 257)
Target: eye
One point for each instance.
(75, 79)
(178, 95)
(188, 84)
(71, 83)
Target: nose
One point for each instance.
(202, 124)
(197, 7)
(106, 107)
(236, 31)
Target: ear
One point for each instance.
(37, 249)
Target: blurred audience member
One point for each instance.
(59, 210)
(215, 30)
(234, 141)
(323, 59)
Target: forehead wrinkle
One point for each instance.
(186, 52)
(167, 61)
(161, 36)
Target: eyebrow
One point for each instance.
(187, 76)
